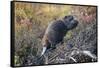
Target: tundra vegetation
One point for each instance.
(31, 21)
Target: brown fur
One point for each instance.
(45, 40)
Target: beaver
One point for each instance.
(56, 31)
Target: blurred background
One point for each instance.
(31, 21)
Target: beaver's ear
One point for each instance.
(65, 17)
(69, 17)
(43, 50)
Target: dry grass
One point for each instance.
(31, 20)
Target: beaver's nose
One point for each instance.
(75, 22)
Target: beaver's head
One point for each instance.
(70, 22)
